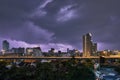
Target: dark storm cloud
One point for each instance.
(16, 9)
(99, 17)
(14, 21)
(61, 21)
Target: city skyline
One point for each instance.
(58, 24)
(89, 47)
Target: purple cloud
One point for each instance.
(61, 22)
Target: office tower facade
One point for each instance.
(19, 50)
(5, 45)
(89, 48)
(35, 51)
(94, 49)
(87, 45)
(29, 51)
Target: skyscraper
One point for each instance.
(87, 45)
(94, 47)
(5, 45)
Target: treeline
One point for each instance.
(56, 70)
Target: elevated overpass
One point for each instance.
(40, 57)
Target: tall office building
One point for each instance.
(5, 45)
(94, 49)
(89, 47)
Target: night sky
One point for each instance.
(60, 23)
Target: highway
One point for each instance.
(40, 57)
